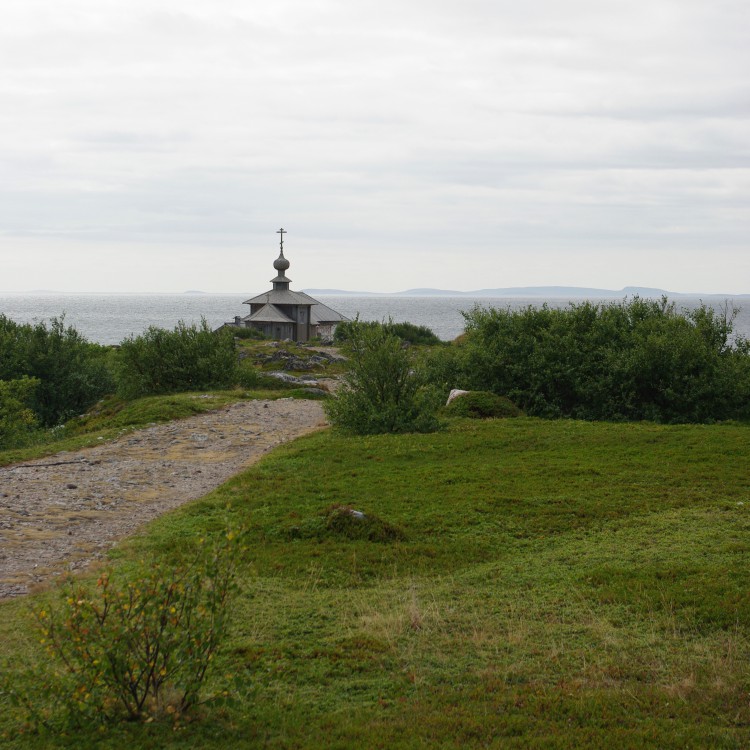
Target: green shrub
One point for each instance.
(414, 334)
(184, 359)
(633, 360)
(73, 374)
(131, 649)
(247, 376)
(381, 391)
(445, 368)
(482, 405)
(247, 333)
(410, 332)
(344, 330)
(17, 420)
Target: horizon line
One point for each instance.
(528, 291)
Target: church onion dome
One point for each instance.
(281, 263)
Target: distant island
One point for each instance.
(344, 292)
(528, 291)
(546, 292)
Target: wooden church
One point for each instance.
(281, 313)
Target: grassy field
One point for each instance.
(515, 583)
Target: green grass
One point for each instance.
(541, 584)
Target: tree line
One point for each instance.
(632, 360)
(624, 361)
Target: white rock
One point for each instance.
(455, 393)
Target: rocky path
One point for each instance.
(61, 512)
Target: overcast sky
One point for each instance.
(157, 145)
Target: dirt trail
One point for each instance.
(61, 512)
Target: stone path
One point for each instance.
(61, 512)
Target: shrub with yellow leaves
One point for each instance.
(136, 647)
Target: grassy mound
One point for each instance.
(343, 522)
(482, 405)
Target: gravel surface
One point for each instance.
(61, 512)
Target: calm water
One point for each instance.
(109, 318)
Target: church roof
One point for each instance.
(281, 297)
(320, 313)
(268, 314)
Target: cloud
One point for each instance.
(409, 130)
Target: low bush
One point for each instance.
(17, 420)
(446, 368)
(635, 360)
(247, 333)
(134, 648)
(482, 405)
(414, 334)
(184, 359)
(247, 375)
(381, 391)
(409, 332)
(72, 373)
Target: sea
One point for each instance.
(110, 318)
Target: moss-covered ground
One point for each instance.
(513, 583)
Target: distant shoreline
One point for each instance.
(531, 291)
(518, 291)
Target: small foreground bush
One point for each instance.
(130, 649)
(482, 405)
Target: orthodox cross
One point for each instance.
(282, 232)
